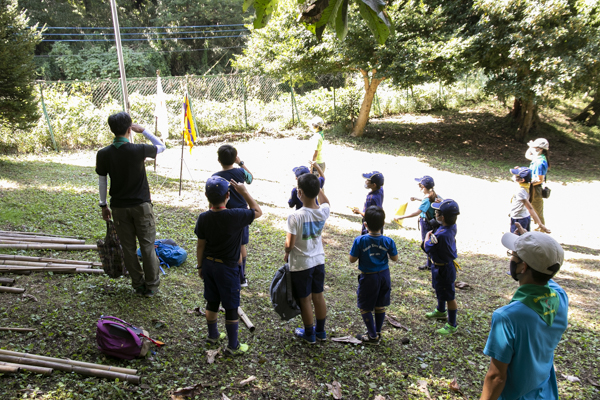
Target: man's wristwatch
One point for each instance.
(241, 163)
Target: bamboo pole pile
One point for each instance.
(40, 241)
(28, 361)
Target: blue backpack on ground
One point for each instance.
(168, 253)
(283, 302)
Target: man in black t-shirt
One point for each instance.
(130, 201)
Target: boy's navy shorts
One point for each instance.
(525, 223)
(246, 235)
(221, 283)
(374, 290)
(442, 280)
(308, 281)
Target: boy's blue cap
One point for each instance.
(448, 206)
(301, 171)
(216, 186)
(426, 181)
(522, 172)
(375, 177)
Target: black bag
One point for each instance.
(283, 302)
(111, 252)
(546, 192)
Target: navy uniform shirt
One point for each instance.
(236, 200)
(222, 231)
(374, 198)
(444, 251)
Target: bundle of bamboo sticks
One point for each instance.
(41, 241)
(24, 264)
(16, 361)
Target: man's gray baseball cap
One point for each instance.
(537, 249)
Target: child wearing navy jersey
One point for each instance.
(294, 201)
(228, 155)
(374, 182)
(372, 252)
(441, 247)
(219, 233)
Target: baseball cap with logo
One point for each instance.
(426, 181)
(539, 142)
(447, 207)
(537, 249)
(216, 188)
(522, 172)
(375, 177)
(301, 170)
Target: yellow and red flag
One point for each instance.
(189, 127)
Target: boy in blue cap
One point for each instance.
(374, 283)
(521, 210)
(374, 182)
(441, 247)
(219, 231)
(294, 201)
(228, 156)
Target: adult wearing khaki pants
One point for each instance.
(130, 201)
(537, 153)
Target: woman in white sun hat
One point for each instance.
(537, 152)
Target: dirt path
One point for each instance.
(484, 205)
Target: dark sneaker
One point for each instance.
(216, 340)
(150, 293)
(240, 351)
(310, 339)
(321, 336)
(366, 339)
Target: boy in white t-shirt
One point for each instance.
(306, 257)
(521, 210)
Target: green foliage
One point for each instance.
(17, 44)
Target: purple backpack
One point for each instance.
(120, 339)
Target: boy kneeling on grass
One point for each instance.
(374, 282)
(306, 257)
(219, 231)
(441, 247)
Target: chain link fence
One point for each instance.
(73, 114)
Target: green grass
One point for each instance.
(57, 198)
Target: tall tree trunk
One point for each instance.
(371, 85)
(589, 115)
(524, 113)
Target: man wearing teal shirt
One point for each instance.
(525, 333)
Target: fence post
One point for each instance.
(244, 94)
(292, 100)
(334, 109)
(47, 119)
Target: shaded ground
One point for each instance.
(57, 194)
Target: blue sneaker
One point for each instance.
(310, 339)
(321, 336)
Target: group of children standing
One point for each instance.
(222, 233)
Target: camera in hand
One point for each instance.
(434, 224)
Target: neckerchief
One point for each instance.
(541, 299)
(119, 141)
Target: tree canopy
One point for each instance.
(17, 43)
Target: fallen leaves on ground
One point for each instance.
(247, 380)
(394, 322)
(211, 354)
(335, 389)
(423, 388)
(346, 339)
